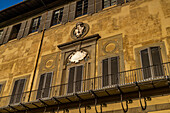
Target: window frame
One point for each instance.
(50, 91)
(58, 18)
(150, 61)
(82, 8)
(1, 33)
(110, 4)
(109, 69)
(31, 30)
(75, 73)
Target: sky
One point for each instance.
(7, 3)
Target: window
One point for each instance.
(44, 85)
(108, 3)
(35, 24)
(151, 62)
(75, 77)
(0, 88)
(15, 31)
(1, 32)
(110, 71)
(81, 8)
(17, 92)
(57, 17)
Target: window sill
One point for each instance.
(33, 33)
(56, 25)
(109, 7)
(12, 40)
(81, 17)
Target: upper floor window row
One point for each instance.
(63, 15)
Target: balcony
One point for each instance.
(149, 81)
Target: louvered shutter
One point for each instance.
(114, 70)
(79, 74)
(145, 64)
(46, 90)
(72, 11)
(40, 87)
(91, 6)
(120, 2)
(42, 22)
(13, 96)
(3, 35)
(99, 5)
(8, 34)
(49, 19)
(65, 14)
(27, 28)
(21, 31)
(71, 80)
(105, 72)
(156, 60)
(20, 90)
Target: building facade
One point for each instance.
(110, 56)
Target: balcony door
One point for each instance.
(151, 62)
(110, 71)
(75, 79)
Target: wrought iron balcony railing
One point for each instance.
(140, 75)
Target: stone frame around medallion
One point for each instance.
(87, 27)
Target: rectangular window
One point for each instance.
(35, 24)
(110, 69)
(44, 85)
(151, 62)
(1, 32)
(81, 8)
(108, 3)
(57, 17)
(15, 31)
(75, 79)
(17, 92)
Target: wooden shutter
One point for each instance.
(120, 2)
(20, 90)
(145, 64)
(49, 19)
(42, 22)
(46, 90)
(71, 80)
(3, 35)
(72, 11)
(22, 29)
(8, 34)
(105, 72)
(27, 28)
(65, 14)
(13, 96)
(114, 70)
(156, 61)
(40, 87)
(91, 6)
(79, 74)
(99, 5)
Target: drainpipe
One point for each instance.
(39, 52)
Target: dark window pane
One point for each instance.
(20, 90)
(114, 70)
(15, 31)
(105, 72)
(156, 60)
(71, 80)
(13, 96)
(113, 2)
(81, 8)
(145, 64)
